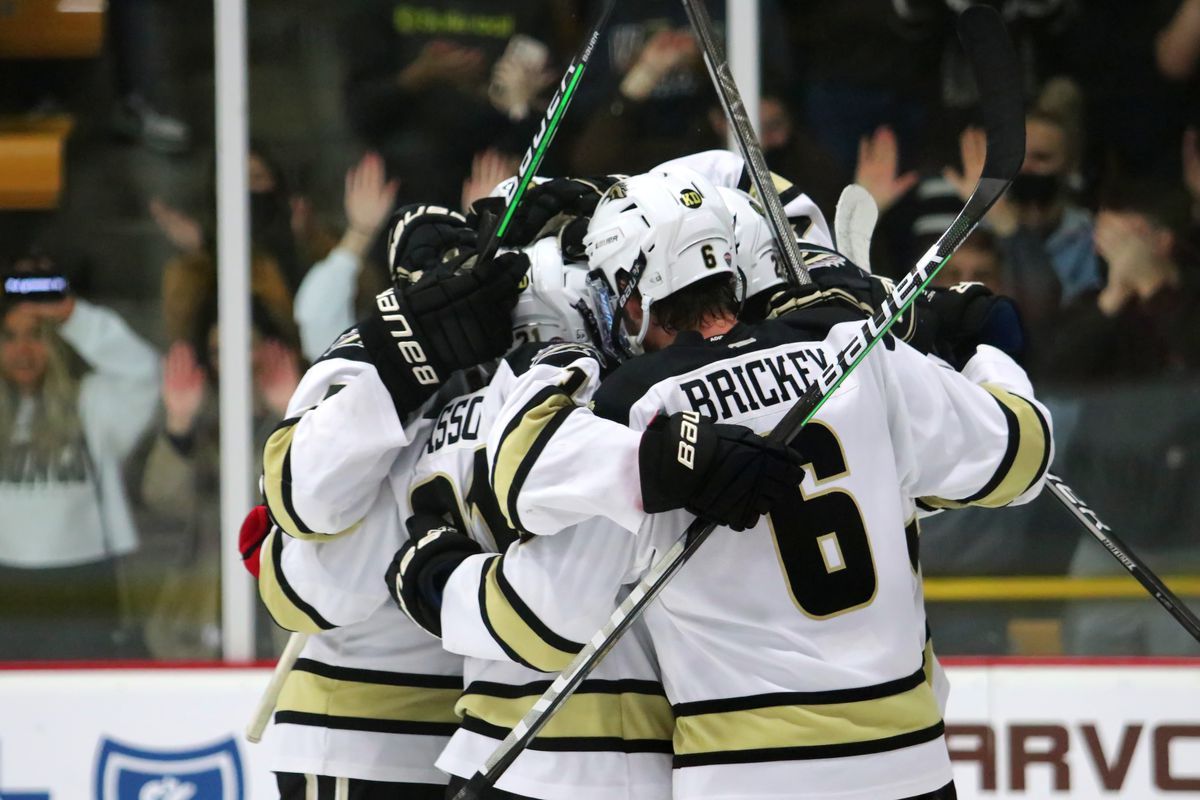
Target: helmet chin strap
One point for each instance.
(641, 334)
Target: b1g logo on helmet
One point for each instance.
(618, 191)
(691, 198)
(206, 773)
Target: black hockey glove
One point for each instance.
(418, 573)
(547, 207)
(453, 316)
(952, 322)
(727, 474)
(422, 237)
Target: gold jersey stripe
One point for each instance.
(1024, 462)
(817, 725)
(524, 637)
(521, 445)
(316, 694)
(285, 606)
(627, 715)
(277, 485)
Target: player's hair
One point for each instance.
(56, 423)
(687, 309)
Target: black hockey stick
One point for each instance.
(994, 64)
(550, 124)
(735, 111)
(1137, 568)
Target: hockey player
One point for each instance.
(370, 703)
(793, 653)
(613, 738)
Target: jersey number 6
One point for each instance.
(821, 538)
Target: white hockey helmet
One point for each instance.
(556, 303)
(757, 259)
(655, 233)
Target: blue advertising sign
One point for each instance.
(213, 772)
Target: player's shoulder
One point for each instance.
(634, 379)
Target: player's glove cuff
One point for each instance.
(421, 237)
(417, 576)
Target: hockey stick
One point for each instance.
(854, 224)
(541, 141)
(735, 111)
(1137, 568)
(995, 66)
(270, 696)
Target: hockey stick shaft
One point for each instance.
(549, 127)
(995, 66)
(1121, 552)
(735, 112)
(270, 695)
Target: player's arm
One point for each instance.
(978, 437)
(533, 605)
(324, 464)
(555, 463)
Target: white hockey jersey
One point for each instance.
(372, 695)
(612, 740)
(794, 653)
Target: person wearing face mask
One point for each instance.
(1038, 222)
(285, 240)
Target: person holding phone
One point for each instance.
(77, 388)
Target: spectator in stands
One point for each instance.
(325, 302)
(1142, 324)
(181, 481)
(285, 240)
(1040, 226)
(77, 388)
(429, 86)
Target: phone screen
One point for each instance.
(36, 288)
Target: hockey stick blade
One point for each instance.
(1118, 549)
(549, 127)
(986, 193)
(739, 121)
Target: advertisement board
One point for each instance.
(1015, 730)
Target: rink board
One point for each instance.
(1062, 729)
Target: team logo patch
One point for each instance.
(691, 198)
(617, 191)
(206, 773)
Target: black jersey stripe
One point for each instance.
(828, 697)
(572, 744)
(375, 676)
(365, 724)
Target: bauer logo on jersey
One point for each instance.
(691, 198)
(213, 772)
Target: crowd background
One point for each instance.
(109, 477)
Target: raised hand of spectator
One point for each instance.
(878, 169)
(665, 52)
(972, 144)
(520, 75)
(368, 200)
(442, 62)
(276, 374)
(1135, 267)
(181, 230)
(488, 169)
(183, 389)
